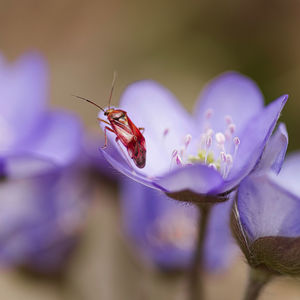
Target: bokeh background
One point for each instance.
(181, 44)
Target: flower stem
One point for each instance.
(2, 171)
(196, 288)
(257, 280)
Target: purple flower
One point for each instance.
(164, 231)
(266, 212)
(209, 152)
(41, 190)
(41, 217)
(32, 138)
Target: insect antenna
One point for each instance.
(112, 88)
(89, 101)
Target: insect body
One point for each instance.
(126, 132)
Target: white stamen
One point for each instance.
(174, 153)
(202, 141)
(231, 128)
(229, 159)
(228, 165)
(182, 151)
(228, 120)
(220, 138)
(223, 156)
(187, 140)
(223, 163)
(236, 142)
(208, 142)
(227, 135)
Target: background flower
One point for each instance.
(33, 138)
(42, 194)
(164, 231)
(41, 218)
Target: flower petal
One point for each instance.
(23, 89)
(197, 178)
(229, 94)
(289, 176)
(58, 138)
(267, 209)
(274, 153)
(253, 140)
(119, 163)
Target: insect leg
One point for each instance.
(105, 136)
(104, 121)
(142, 129)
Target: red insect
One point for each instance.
(125, 131)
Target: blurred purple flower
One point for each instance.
(208, 153)
(42, 200)
(164, 231)
(266, 212)
(41, 217)
(32, 138)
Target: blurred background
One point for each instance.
(181, 44)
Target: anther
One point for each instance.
(178, 160)
(166, 132)
(174, 153)
(228, 119)
(187, 140)
(231, 128)
(236, 141)
(220, 138)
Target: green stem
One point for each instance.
(257, 280)
(196, 286)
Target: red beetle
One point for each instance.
(125, 131)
